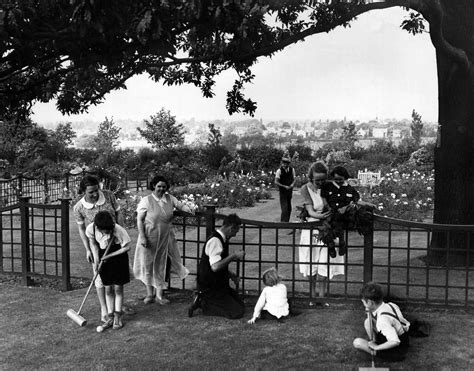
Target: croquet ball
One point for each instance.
(99, 329)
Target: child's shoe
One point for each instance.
(118, 320)
(108, 321)
(332, 249)
(342, 247)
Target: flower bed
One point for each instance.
(407, 195)
(237, 191)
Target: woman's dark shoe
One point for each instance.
(149, 299)
(162, 301)
(195, 305)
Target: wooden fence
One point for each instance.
(34, 241)
(393, 255)
(45, 190)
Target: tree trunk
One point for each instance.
(454, 152)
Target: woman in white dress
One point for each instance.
(315, 251)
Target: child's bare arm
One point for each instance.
(258, 307)
(94, 246)
(125, 248)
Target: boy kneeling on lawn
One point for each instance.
(386, 327)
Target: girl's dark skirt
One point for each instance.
(115, 271)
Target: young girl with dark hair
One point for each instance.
(114, 272)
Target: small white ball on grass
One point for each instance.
(99, 329)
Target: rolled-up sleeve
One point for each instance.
(214, 250)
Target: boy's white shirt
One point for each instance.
(274, 300)
(389, 326)
(214, 248)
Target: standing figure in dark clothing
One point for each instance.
(285, 180)
(215, 296)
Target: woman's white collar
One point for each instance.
(89, 205)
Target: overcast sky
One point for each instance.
(373, 69)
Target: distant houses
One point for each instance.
(310, 133)
(380, 133)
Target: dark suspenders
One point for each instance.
(394, 315)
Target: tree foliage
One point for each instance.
(107, 137)
(64, 134)
(76, 51)
(416, 127)
(162, 131)
(214, 138)
(349, 136)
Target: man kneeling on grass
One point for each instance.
(215, 297)
(386, 327)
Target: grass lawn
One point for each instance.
(37, 334)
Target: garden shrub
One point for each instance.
(212, 156)
(304, 152)
(423, 158)
(262, 157)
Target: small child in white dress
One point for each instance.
(273, 301)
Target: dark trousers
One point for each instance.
(224, 302)
(285, 204)
(396, 354)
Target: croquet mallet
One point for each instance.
(76, 316)
(371, 337)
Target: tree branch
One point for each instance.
(435, 18)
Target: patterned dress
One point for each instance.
(85, 212)
(150, 264)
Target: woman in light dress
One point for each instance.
(157, 254)
(314, 250)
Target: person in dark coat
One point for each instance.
(215, 296)
(342, 199)
(285, 180)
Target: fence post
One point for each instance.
(65, 248)
(20, 186)
(46, 190)
(210, 220)
(66, 181)
(25, 241)
(368, 256)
